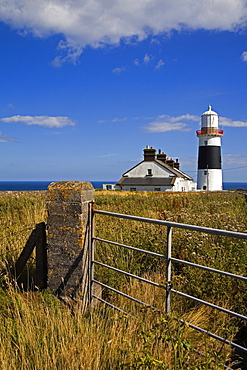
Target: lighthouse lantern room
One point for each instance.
(209, 175)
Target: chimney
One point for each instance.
(177, 164)
(170, 162)
(161, 156)
(149, 154)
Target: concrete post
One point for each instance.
(69, 245)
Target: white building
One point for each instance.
(156, 173)
(209, 175)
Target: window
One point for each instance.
(204, 187)
(206, 173)
(132, 189)
(150, 172)
(206, 143)
(156, 189)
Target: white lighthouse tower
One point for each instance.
(209, 175)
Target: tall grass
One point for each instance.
(19, 212)
(217, 210)
(37, 331)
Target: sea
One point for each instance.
(43, 185)
(40, 185)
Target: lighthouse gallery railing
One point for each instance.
(210, 131)
(169, 259)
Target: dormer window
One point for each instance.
(150, 172)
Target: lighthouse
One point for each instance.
(209, 174)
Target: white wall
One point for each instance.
(142, 170)
(211, 179)
(184, 185)
(211, 140)
(110, 187)
(180, 185)
(147, 188)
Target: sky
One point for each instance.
(85, 85)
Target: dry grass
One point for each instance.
(39, 332)
(19, 212)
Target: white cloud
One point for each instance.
(73, 53)
(186, 117)
(102, 121)
(234, 160)
(159, 64)
(118, 70)
(119, 119)
(6, 139)
(106, 155)
(164, 126)
(114, 120)
(244, 56)
(165, 123)
(184, 122)
(147, 58)
(224, 121)
(45, 121)
(107, 22)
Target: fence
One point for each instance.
(70, 251)
(37, 241)
(169, 260)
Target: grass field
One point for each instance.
(37, 331)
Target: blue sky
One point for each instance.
(86, 85)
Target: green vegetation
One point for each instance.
(226, 211)
(19, 213)
(39, 332)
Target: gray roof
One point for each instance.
(175, 171)
(147, 181)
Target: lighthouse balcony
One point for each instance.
(212, 131)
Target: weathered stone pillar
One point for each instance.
(69, 234)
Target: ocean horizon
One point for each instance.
(43, 185)
(39, 185)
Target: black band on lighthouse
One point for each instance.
(209, 157)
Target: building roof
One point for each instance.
(147, 181)
(166, 165)
(210, 112)
(174, 171)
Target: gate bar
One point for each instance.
(130, 247)
(168, 269)
(124, 294)
(232, 313)
(207, 230)
(129, 274)
(209, 269)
